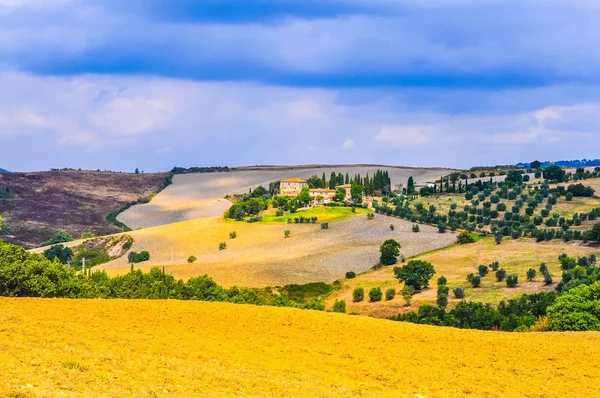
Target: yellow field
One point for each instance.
(323, 214)
(456, 262)
(116, 348)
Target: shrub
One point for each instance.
(442, 280)
(232, 235)
(442, 301)
(370, 216)
(569, 196)
(415, 228)
(416, 273)
(279, 212)
(134, 257)
(391, 227)
(222, 246)
(407, 293)
(494, 266)
(350, 275)
(286, 233)
(325, 225)
(191, 259)
(475, 280)
(58, 237)
(459, 292)
(60, 252)
(390, 294)
(498, 238)
(543, 268)
(531, 274)
(442, 227)
(500, 275)
(483, 270)
(547, 278)
(576, 310)
(464, 237)
(512, 280)
(358, 294)
(375, 294)
(339, 306)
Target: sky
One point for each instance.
(152, 84)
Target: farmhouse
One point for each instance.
(348, 189)
(322, 195)
(291, 186)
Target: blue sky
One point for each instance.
(156, 83)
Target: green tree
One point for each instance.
(577, 310)
(390, 294)
(356, 191)
(61, 252)
(358, 294)
(303, 196)
(535, 164)
(554, 174)
(416, 273)
(595, 235)
(531, 274)
(407, 293)
(375, 294)
(389, 252)
(191, 259)
(339, 306)
(410, 186)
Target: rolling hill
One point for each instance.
(38, 204)
(199, 195)
(62, 347)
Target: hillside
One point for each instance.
(261, 255)
(199, 195)
(61, 347)
(37, 204)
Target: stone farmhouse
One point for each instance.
(293, 186)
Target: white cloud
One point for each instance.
(400, 136)
(348, 144)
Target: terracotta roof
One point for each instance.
(293, 180)
(345, 186)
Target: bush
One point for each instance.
(350, 275)
(475, 280)
(232, 235)
(459, 292)
(576, 310)
(442, 301)
(134, 257)
(483, 270)
(286, 233)
(407, 293)
(325, 225)
(543, 268)
(416, 273)
(60, 252)
(191, 259)
(442, 280)
(464, 237)
(339, 306)
(222, 246)
(494, 266)
(442, 227)
(500, 275)
(370, 216)
(279, 212)
(375, 294)
(512, 280)
(358, 294)
(547, 278)
(531, 274)
(415, 228)
(391, 227)
(569, 196)
(498, 238)
(58, 237)
(390, 294)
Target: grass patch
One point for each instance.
(323, 214)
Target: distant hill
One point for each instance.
(3, 171)
(40, 203)
(567, 163)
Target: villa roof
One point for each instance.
(345, 186)
(292, 180)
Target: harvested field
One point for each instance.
(99, 348)
(456, 262)
(201, 195)
(74, 201)
(261, 256)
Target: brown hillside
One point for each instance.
(76, 201)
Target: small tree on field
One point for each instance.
(494, 265)
(416, 273)
(483, 270)
(547, 278)
(500, 275)
(370, 216)
(475, 280)
(512, 280)
(459, 292)
(233, 235)
(531, 274)
(442, 227)
(358, 294)
(339, 306)
(415, 228)
(390, 294)
(375, 294)
(350, 275)
(543, 268)
(191, 259)
(391, 227)
(286, 233)
(325, 225)
(442, 301)
(464, 237)
(498, 238)
(442, 280)
(222, 246)
(407, 293)
(389, 252)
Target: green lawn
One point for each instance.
(323, 214)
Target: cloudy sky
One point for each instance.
(115, 84)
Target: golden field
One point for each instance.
(117, 348)
(455, 263)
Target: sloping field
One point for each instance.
(75, 201)
(458, 261)
(201, 195)
(261, 256)
(115, 348)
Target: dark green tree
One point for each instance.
(416, 273)
(389, 252)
